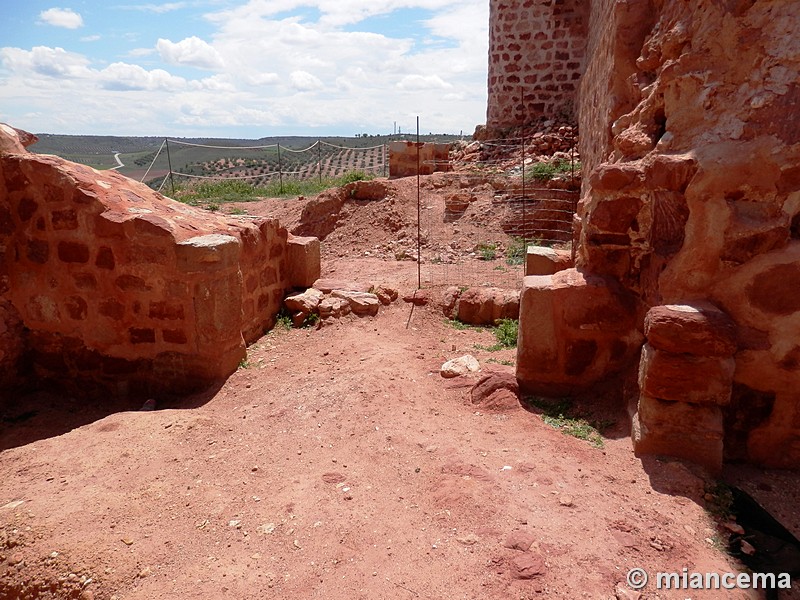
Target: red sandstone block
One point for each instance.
(73, 252)
(76, 307)
(85, 281)
(142, 336)
(64, 220)
(302, 261)
(112, 308)
(174, 336)
(26, 208)
(166, 311)
(105, 258)
(131, 283)
(38, 251)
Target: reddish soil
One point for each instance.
(338, 464)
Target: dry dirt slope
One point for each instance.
(338, 464)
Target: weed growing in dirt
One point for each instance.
(506, 332)
(456, 324)
(545, 171)
(244, 363)
(284, 322)
(487, 251)
(719, 500)
(558, 416)
(516, 251)
(507, 363)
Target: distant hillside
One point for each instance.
(98, 151)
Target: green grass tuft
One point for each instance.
(506, 332)
(558, 415)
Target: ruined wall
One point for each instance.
(106, 285)
(691, 211)
(536, 56)
(404, 162)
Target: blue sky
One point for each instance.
(227, 68)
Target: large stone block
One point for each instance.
(575, 330)
(691, 432)
(485, 306)
(541, 260)
(702, 330)
(302, 261)
(686, 377)
(208, 253)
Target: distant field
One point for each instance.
(331, 158)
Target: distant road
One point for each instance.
(119, 162)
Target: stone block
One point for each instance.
(208, 253)
(486, 305)
(686, 377)
(702, 330)
(326, 286)
(305, 303)
(682, 430)
(302, 261)
(541, 260)
(334, 307)
(361, 303)
(574, 331)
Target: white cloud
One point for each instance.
(423, 82)
(61, 17)
(314, 69)
(305, 82)
(47, 62)
(90, 38)
(126, 77)
(158, 9)
(190, 52)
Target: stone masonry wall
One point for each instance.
(536, 57)
(694, 201)
(106, 285)
(690, 214)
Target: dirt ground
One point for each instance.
(337, 463)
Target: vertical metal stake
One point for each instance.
(169, 162)
(280, 168)
(419, 217)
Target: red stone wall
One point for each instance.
(120, 288)
(403, 161)
(536, 56)
(690, 118)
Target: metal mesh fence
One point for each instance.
(532, 201)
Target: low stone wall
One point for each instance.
(106, 285)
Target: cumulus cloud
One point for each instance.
(190, 52)
(126, 77)
(267, 66)
(303, 81)
(44, 61)
(61, 17)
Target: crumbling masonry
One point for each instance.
(686, 283)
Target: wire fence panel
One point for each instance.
(502, 208)
(260, 165)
